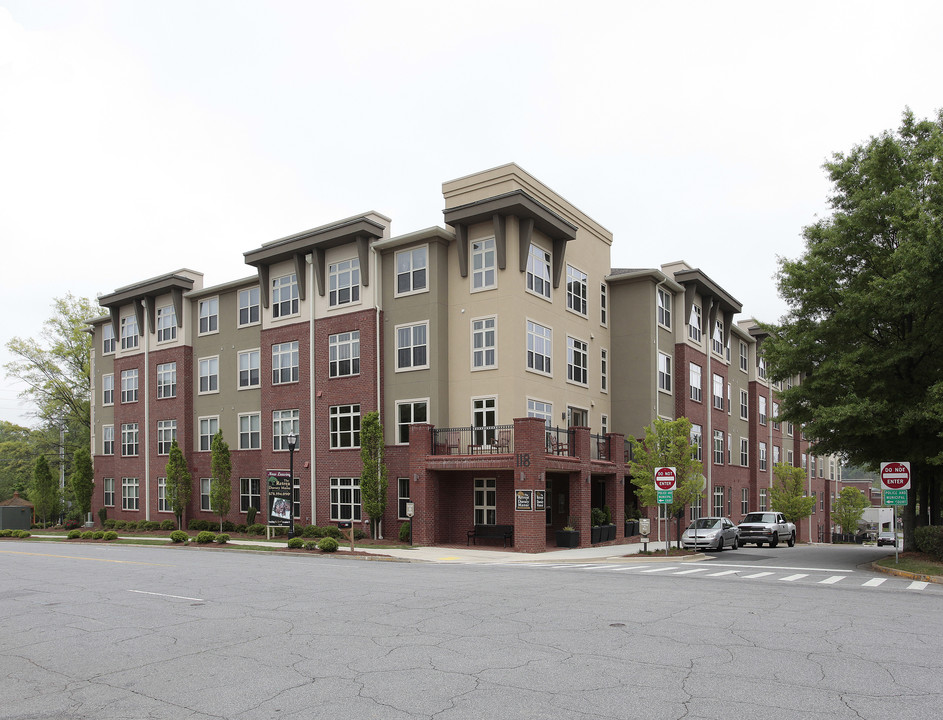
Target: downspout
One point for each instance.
(378, 307)
(657, 407)
(312, 480)
(709, 406)
(147, 423)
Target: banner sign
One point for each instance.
(279, 498)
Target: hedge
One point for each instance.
(929, 540)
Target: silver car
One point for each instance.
(711, 533)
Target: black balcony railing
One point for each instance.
(628, 452)
(480, 440)
(599, 447)
(560, 441)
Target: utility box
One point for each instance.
(644, 527)
(14, 517)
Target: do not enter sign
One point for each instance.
(665, 478)
(895, 475)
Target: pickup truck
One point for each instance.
(769, 527)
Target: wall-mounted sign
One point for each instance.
(540, 500)
(524, 499)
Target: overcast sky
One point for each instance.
(140, 137)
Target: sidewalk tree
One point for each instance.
(373, 481)
(44, 490)
(848, 508)
(221, 484)
(787, 494)
(82, 481)
(179, 488)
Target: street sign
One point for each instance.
(895, 497)
(665, 497)
(895, 475)
(665, 478)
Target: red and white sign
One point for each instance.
(895, 475)
(665, 478)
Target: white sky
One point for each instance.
(140, 137)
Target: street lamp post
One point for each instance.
(292, 439)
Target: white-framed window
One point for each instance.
(696, 509)
(761, 367)
(344, 282)
(717, 339)
(407, 413)
(209, 315)
(604, 424)
(664, 308)
(345, 498)
(108, 485)
(664, 372)
(130, 494)
(539, 346)
(604, 370)
(484, 343)
(762, 456)
(729, 403)
(763, 494)
(484, 265)
(250, 368)
(744, 405)
(603, 304)
(108, 389)
(208, 426)
(206, 485)
(744, 357)
(718, 448)
(729, 448)
(129, 332)
(166, 380)
(108, 439)
(486, 501)
(744, 451)
(108, 340)
(129, 439)
(411, 271)
(538, 271)
(345, 426)
(577, 361)
(577, 290)
(285, 296)
(344, 354)
(285, 363)
(804, 461)
(284, 423)
(540, 409)
(129, 385)
(402, 496)
(250, 494)
(694, 323)
(694, 380)
(775, 417)
(250, 431)
(209, 374)
(250, 308)
(166, 324)
(412, 346)
(789, 429)
(166, 434)
(762, 403)
(718, 500)
(718, 392)
(790, 458)
(697, 440)
(775, 455)
(163, 502)
(484, 418)
(744, 501)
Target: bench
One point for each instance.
(505, 532)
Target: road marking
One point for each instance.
(917, 585)
(661, 569)
(758, 575)
(783, 567)
(593, 567)
(79, 557)
(695, 570)
(626, 567)
(724, 572)
(874, 582)
(176, 597)
(832, 580)
(791, 578)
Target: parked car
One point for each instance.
(766, 527)
(710, 533)
(887, 538)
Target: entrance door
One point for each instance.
(577, 417)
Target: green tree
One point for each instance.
(17, 455)
(865, 323)
(788, 496)
(221, 484)
(848, 508)
(373, 482)
(179, 487)
(44, 491)
(82, 481)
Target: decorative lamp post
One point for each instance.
(292, 440)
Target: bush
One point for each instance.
(359, 534)
(279, 531)
(6, 533)
(597, 517)
(222, 538)
(179, 536)
(256, 529)
(327, 544)
(250, 515)
(166, 525)
(296, 542)
(310, 531)
(198, 525)
(21, 533)
(228, 527)
(74, 533)
(332, 531)
(149, 525)
(929, 540)
(205, 536)
(87, 535)
(404, 532)
(103, 516)
(98, 534)
(109, 523)
(119, 524)
(71, 524)
(241, 529)
(110, 535)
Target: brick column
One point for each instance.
(422, 485)
(530, 466)
(615, 491)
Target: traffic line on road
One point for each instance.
(874, 582)
(661, 569)
(175, 597)
(832, 580)
(917, 585)
(792, 578)
(758, 575)
(79, 557)
(723, 572)
(694, 570)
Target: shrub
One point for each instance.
(98, 534)
(404, 532)
(359, 534)
(205, 536)
(332, 531)
(120, 525)
(110, 535)
(149, 525)
(222, 538)
(256, 529)
(6, 533)
(167, 525)
(74, 533)
(87, 535)
(279, 531)
(295, 542)
(241, 528)
(198, 524)
(178, 536)
(311, 545)
(250, 515)
(327, 544)
(597, 516)
(21, 533)
(109, 523)
(929, 540)
(310, 531)
(131, 525)
(71, 524)
(228, 527)
(103, 516)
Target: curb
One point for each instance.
(904, 574)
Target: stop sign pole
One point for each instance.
(895, 482)
(666, 480)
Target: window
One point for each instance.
(108, 389)
(108, 340)
(209, 315)
(163, 503)
(285, 296)
(205, 487)
(775, 455)
(540, 409)
(344, 280)
(129, 439)
(744, 405)
(285, 363)
(345, 426)
(761, 367)
(129, 494)
(344, 352)
(250, 363)
(402, 492)
(484, 417)
(729, 448)
(604, 370)
(484, 343)
(576, 290)
(577, 361)
(284, 423)
(407, 413)
(718, 392)
(108, 485)
(789, 429)
(695, 509)
(719, 448)
(249, 306)
(762, 456)
(411, 271)
(719, 500)
(166, 324)
(664, 372)
(539, 341)
(775, 417)
(694, 324)
(804, 461)
(695, 382)
(743, 356)
(345, 498)
(484, 266)
(209, 426)
(296, 498)
(604, 304)
(744, 451)
(108, 439)
(604, 424)
(411, 346)
(166, 434)
(763, 499)
(486, 495)
(250, 431)
(166, 380)
(209, 374)
(129, 386)
(129, 332)
(790, 458)
(762, 400)
(821, 467)
(729, 404)
(538, 271)
(717, 340)
(664, 308)
(744, 501)
(250, 494)
(696, 440)
(814, 503)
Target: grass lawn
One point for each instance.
(913, 562)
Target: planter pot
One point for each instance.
(609, 532)
(595, 534)
(568, 538)
(631, 528)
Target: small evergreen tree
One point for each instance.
(179, 488)
(221, 484)
(82, 480)
(44, 491)
(787, 496)
(373, 482)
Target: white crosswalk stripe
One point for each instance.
(659, 569)
(723, 572)
(917, 585)
(874, 582)
(792, 578)
(832, 580)
(758, 575)
(691, 572)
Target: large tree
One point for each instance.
(179, 488)
(864, 328)
(17, 455)
(373, 481)
(221, 484)
(788, 494)
(44, 490)
(848, 509)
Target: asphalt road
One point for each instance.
(99, 632)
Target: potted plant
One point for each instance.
(609, 527)
(568, 537)
(631, 523)
(597, 520)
